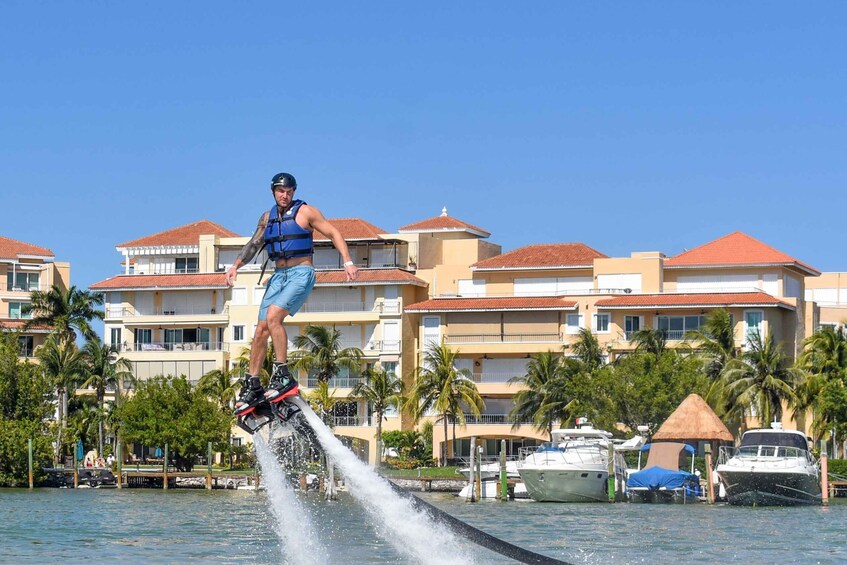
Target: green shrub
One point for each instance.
(837, 467)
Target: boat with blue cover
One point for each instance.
(662, 479)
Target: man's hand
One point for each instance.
(230, 276)
(352, 272)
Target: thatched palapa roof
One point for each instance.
(693, 420)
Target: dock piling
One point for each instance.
(824, 475)
(710, 487)
(29, 447)
(504, 484)
(209, 461)
(119, 478)
(165, 469)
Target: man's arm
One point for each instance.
(249, 250)
(318, 222)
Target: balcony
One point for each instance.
(383, 346)
(5, 287)
(179, 347)
(670, 335)
(458, 339)
(346, 420)
(336, 307)
(488, 419)
(335, 382)
(495, 377)
(121, 312)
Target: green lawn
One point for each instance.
(428, 472)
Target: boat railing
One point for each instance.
(773, 455)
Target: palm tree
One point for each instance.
(543, 400)
(761, 379)
(63, 364)
(320, 352)
(242, 362)
(587, 350)
(221, 385)
(716, 341)
(442, 388)
(650, 341)
(382, 390)
(824, 362)
(322, 402)
(103, 368)
(67, 312)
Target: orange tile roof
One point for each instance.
(543, 255)
(188, 234)
(200, 280)
(735, 249)
(443, 223)
(17, 324)
(367, 276)
(499, 303)
(693, 300)
(12, 248)
(353, 228)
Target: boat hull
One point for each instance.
(661, 496)
(767, 488)
(561, 485)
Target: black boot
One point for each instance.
(251, 395)
(282, 384)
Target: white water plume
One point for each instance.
(410, 531)
(300, 545)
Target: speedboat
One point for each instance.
(662, 480)
(770, 467)
(574, 467)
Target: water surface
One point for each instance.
(195, 526)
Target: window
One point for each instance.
(22, 281)
(115, 336)
(632, 324)
(601, 323)
(237, 333)
(144, 336)
(239, 297)
(258, 294)
(753, 324)
(573, 323)
(15, 311)
(675, 327)
(186, 265)
(472, 287)
(25, 344)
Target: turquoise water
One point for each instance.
(196, 526)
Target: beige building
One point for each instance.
(25, 267)
(440, 280)
(829, 293)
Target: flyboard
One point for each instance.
(290, 411)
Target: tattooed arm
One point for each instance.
(249, 250)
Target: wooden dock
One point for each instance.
(156, 479)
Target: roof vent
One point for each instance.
(444, 211)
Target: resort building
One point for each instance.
(25, 267)
(440, 281)
(829, 293)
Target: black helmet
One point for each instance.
(284, 180)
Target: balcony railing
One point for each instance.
(495, 377)
(120, 312)
(385, 346)
(482, 419)
(346, 420)
(670, 335)
(335, 382)
(182, 346)
(335, 307)
(503, 338)
(4, 286)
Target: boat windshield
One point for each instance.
(774, 439)
(547, 446)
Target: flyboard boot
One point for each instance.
(282, 384)
(257, 407)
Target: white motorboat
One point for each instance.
(770, 467)
(492, 470)
(574, 467)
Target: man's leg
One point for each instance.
(252, 392)
(282, 384)
(259, 347)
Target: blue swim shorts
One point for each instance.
(288, 288)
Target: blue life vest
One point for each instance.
(284, 238)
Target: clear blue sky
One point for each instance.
(628, 126)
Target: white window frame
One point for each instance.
(595, 322)
(235, 330)
(238, 297)
(571, 329)
(747, 327)
(258, 295)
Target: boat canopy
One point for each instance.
(656, 478)
(775, 438)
